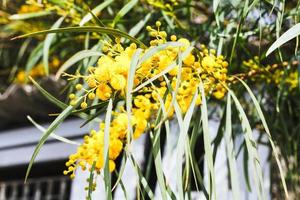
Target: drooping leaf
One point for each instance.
(96, 11)
(124, 11)
(287, 36)
(53, 135)
(47, 44)
(24, 16)
(53, 126)
(97, 29)
(75, 58)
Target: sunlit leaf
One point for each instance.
(75, 58)
(96, 11)
(47, 44)
(97, 29)
(287, 36)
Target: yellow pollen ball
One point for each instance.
(158, 23)
(208, 61)
(173, 38)
(72, 96)
(83, 105)
(78, 86)
(91, 96)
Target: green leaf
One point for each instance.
(141, 177)
(122, 169)
(21, 53)
(139, 26)
(168, 20)
(49, 96)
(29, 15)
(47, 44)
(251, 147)
(53, 126)
(231, 153)
(265, 125)
(93, 116)
(34, 58)
(156, 152)
(287, 36)
(215, 5)
(96, 11)
(133, 66)
(107, 179)
(124, 11)
(207, 146)
(75, 58)
(97, 29)
(53, 135)
(91, 181)
(248, 8)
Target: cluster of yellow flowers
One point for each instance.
(279, 74)
(37, 71)
(163, 4)
(67, 8)
(110, 78)
(29, 8)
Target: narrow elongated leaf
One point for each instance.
(139, 26)
(155, 139)
(53, 135)
(141, 177)
(285, 37)
(49, 96)
(29, 15)
(46, 134)
(207, 146)
(158, 164)
(97, 29)
(122, 186)
(75, 58)
(179, 150)
(215, 5)
(107, 179)
(231, 153)
(34, 58)
(159, 48)
(91, 181)
(124, 11)
(122, 169)
(265, 125)
(96, 11)
(133, 65)
(247, 8)
(251, 148)
(47, 44)
(168, 20)
(21, 53)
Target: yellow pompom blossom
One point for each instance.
(109, 79)
(278, 74)
(29, 8)
(163, 4)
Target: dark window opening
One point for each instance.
(45, 182)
